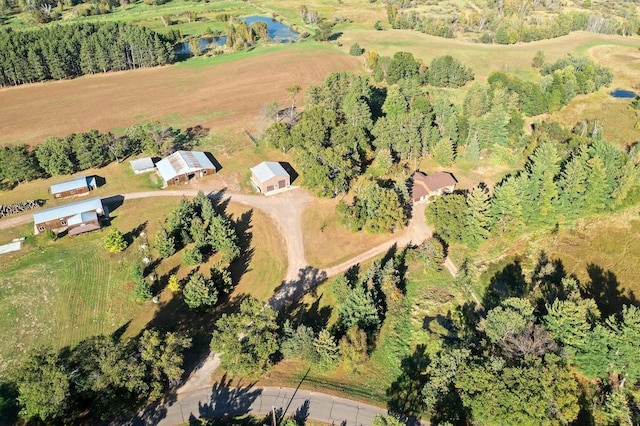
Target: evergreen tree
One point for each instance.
(443, 152)
(596, 193)
(359, 309)
(326, 348)
(164, 243)
(55, 156)
(199, 292)
(506, 207)
(477, 221)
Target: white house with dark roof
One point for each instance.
(142, 165)
(270, 176)
(76, 218)
(181, 166)
(77, 186)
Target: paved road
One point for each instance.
(196, 397)
(220, 400)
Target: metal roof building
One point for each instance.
(270, 176)
(68, 210)
(142, 165)
(183, 165)
(78, 185)
(78, 217)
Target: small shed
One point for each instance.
(432, 185)
(76, 218)
(142, 165)
(181, 166)
(77, 186)
(270, 176)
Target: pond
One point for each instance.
(205, 44)
(278, 32)
(619, 93)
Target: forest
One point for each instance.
(81, 151)
(71, 50)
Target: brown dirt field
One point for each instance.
(226, 96)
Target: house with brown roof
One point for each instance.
(430, 186)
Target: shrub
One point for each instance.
(173, 284)
(356, 50)
(114, 241)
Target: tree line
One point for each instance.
(81, 151)
(578, 174)
(542, 353)
(515, 21)
(71, 50)
(352, 127)
(100, 378)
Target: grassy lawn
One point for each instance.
(600, 252)
(326, 241)
(58, 293)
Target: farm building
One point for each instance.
(432, 185)
(181, 166)
(270, 176)
(76, 218)
(142, 165)
(76, 186)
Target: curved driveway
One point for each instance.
(196, 398)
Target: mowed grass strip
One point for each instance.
(226, 97)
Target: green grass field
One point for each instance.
(58, 293)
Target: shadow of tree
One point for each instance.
(131, 236)
(509, 282)
(242, 265)
(404, 396)
(302, 413)
(228, 399)
(308, 277)
(606, 290)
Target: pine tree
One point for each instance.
(596, 194)
(477, 221)
(573, 185)
(472, 152)
(326, 348)
(506, 207)
(164, 243)
(199, 292)
(443, 152)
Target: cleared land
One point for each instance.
(225, 97)
(62, 292)
(483, 58)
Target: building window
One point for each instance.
(73, 191)
(176, 180)
(41, 228)
(204, 172)
(58, 195)
(63, 222)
